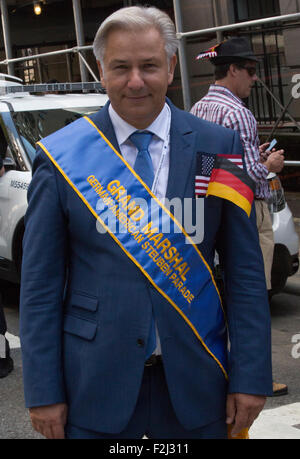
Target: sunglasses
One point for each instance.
(251, 70)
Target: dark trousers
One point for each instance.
(154, 416)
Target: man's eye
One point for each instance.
(120, 67)
(149, 66)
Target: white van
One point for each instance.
(25, 118)
(286, 251)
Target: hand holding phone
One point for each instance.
(272, 145)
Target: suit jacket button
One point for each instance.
(140, 342)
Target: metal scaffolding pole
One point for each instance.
(87, 66)
(183, 35)
(281, 116)
(79, 35)
(240, 25)
(279, 103)
(182, 58)
(6, 36)
(217, 21)
(69, 65)
(76, 49)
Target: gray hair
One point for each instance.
(136, 18)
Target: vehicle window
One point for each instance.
(3, 144)
(34, 125)
(28, 147)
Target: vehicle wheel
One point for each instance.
(17, 247)
(281, 268)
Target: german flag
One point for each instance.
(230, 182)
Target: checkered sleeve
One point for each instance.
(243, 121)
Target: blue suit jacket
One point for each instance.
(86, 308)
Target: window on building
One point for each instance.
(28, 67)
(247, 10)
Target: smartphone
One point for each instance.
(272, 145)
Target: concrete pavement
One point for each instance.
(277, 423)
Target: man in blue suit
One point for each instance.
(122, 328)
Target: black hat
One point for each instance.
(229, 51)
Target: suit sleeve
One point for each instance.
(42, 287)
(246, 298)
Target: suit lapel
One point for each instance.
(104, 124)
(182, 154)
(182, 148)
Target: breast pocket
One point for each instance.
(80, 318)
(83, 301)
(80, 327)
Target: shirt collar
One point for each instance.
(225, 92)
(123, 130)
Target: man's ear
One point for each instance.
(101, 74)
(232, 69)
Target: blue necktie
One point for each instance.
(143, 164)
(144, 168)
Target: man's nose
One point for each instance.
(135, 80)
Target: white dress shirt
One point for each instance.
(159, 142)
(161, 130)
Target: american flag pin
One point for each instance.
(205, 165)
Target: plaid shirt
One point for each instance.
(221, 106)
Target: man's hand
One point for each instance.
(242, 410)
(275, 161)
(2, 171)
(49, 420)
(263, 151)
(263, 147)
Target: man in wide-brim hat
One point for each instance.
(235, 75)
(234, 54)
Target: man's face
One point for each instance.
(136, 74)
(245, 79)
